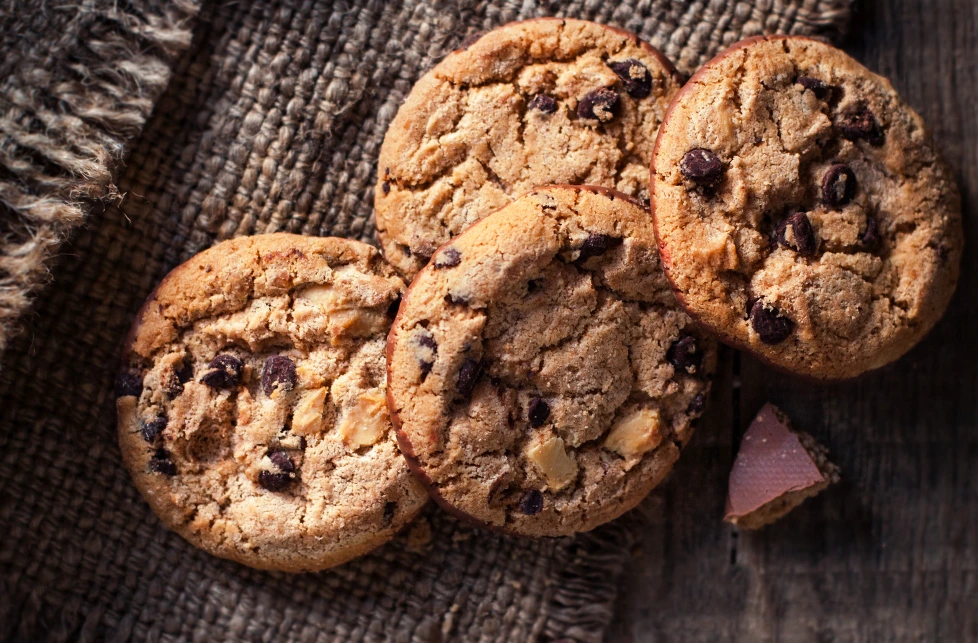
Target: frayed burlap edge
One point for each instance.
(75, 95)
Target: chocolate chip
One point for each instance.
(151, 429)
(684, 355)
(386, 187)
(178, 378)
(803, 239)
(532, 502)
(468, 375)
(858, 122)
(702, 167)
(427, 340)
(634, 76)
(769, 324)
(838, 185)
(696, 405)
(597, 244)
(538, 411)
(822, 90)
(279, 372)
(601, 104)
(457, 300)
(129, 383)
(394, 306)
(471, 39)
(283, 473)
(448, 258)
(224, 371)
(544, 103)
(870, 238)
(161, 463)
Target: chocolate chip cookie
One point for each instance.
(541, 377)
(802, 210)
(252, 410)
(529, 104)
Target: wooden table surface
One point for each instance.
(890, 554)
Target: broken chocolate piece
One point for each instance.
(775, 470)
(838, 185)
(161, 463)
(821, 89)
(702, 167)
(597, 244)
(544, 103)
(601, 104)
(531, 503)
(448, 258)
(151, 429)
(224, 371)
(634, 76)
(769, 324)
(684, 356)
(129, 383)
(796, 232)
(281, 474)
(858, 122)
(426, 356)
(278, 373)
(468, 375)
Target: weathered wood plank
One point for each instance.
(891, 553)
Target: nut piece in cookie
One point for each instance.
(776, 469)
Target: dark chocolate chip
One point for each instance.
(858, 122)
(601, 104)
(161, 463)
(544, 103)
(769, 324)
(224, 371)
(471, 39)
(838, 185)
(394, 306)
(153, 428)
(684, 355)
(448, 258)
(386, 187)
(696, 405)
(427, 340)
(597, 244)
(702, 167)
(634, 76)
(282, 475)
(803, 239)
(870, 238)
(532, 502)
(279, 372)
(821, 89)
(129, 383)
(538, 411)
(457, 300)
(468, 375)
(178, 378)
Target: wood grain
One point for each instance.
(891, 554)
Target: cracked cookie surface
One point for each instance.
(529, 104)
(252, 411)
(541, 377)
(802, 210)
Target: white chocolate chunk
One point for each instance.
(550, 457)
(634, 435)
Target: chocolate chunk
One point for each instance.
(538, 411)
(471, 39)
(702, 167)
(178, 378)
(684, 355)
(634, 76)
(427, 340)
(869, 240)
(775, 470)
(858, 122)
(129, 383)
(769, 324)
(468, 375)
(161, 463)
(696, 405)
(394, 306)
(282, 473)
(821, 89)
(386, 187)
(448, 258)
(279, 372)
(838, 185)
(601, 104)
(796, 232)
(532, 502)
(151, 429)
(544, 103)
(457, 300)
(597, 244)
(224, 371)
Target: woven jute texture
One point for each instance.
(272, 121)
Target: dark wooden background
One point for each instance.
(891, 554)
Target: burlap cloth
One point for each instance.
(272, 120)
